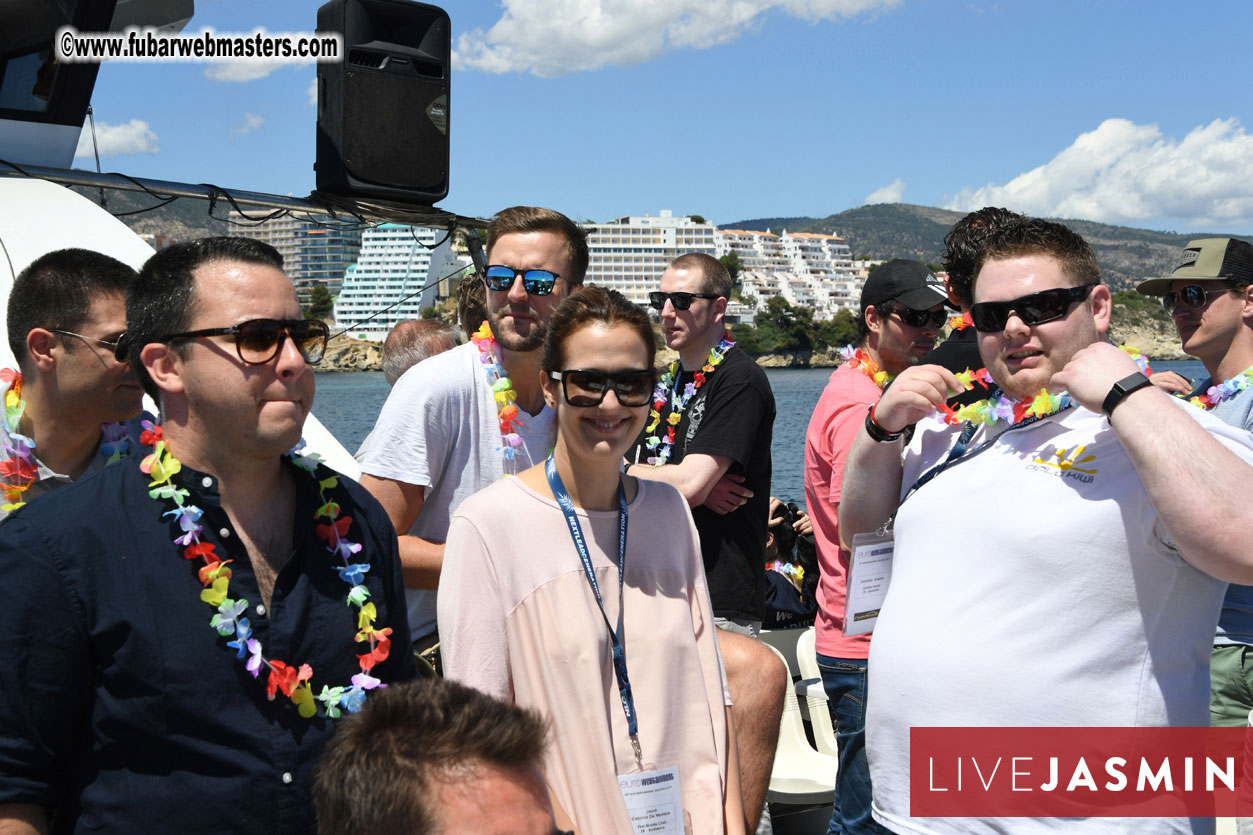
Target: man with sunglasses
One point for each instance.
(179, 632)
(66, 313)
(902, 309)
(720, 461)
(1091, 595)
(1209, 295)
(441, 436)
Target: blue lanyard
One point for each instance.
(959, 452)
(580, 545)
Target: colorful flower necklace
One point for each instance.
(678, 402)
(960, 323)
(992, 409)
(1224, 390)
(502, 391)
(20, 470)
(215, 574)
(859, 360)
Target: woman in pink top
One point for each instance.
(579, 591)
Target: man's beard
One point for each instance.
(513, 342)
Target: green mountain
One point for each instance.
(184, 219)
(902, 230)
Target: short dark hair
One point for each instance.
(715, 277)
(471, 303)
(159, 302)
(1031, 236)
(965, 241)
(377, 772)
(535, 219)
(412, 340)
(56, 291)
(593, 305)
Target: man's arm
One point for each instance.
(695, 476)
(871, 486)
(420, 559)
(1199, 487)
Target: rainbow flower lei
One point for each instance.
(502, 391)
(678, 402)
(1224, 390)
(859, 360)
(295, 682)
(990, 410)
(20, 470)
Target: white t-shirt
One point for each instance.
(439, 429)
(1070, 608)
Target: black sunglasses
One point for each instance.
(1035, 309)
(915, 318)
(536, 282)
(258, 341)
(681, 301)
(587, 387)
(1194, 296)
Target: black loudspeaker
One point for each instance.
(383, 110)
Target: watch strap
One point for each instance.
(1122, 388)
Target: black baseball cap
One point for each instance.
(908, 283)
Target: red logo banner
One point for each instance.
(1081, 772)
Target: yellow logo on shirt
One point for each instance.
(1067, 462)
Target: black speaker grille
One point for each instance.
(388, 137)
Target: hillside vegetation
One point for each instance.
(901, 230)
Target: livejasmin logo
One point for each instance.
(1080, 772)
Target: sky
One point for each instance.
(1129, 112)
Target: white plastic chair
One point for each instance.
(814, 695)
(784, 640)
(801, 775)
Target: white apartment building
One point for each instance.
(629, 254)
(804, 268)
(396, 275)
(311, 252)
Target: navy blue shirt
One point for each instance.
(121, 709)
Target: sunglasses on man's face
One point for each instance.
(258, 341)
(681, 301)
(535, 282)
(587, 387)
(915, 318)
(1035, 309)
(1193, 295)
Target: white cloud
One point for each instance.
(1128, 173)
(134, 137)
(313, 92)
(556, 37)
(241, 71)
(250, 125)
(891, 193)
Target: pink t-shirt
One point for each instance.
(837, 419)
(517, 619)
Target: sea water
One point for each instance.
(349, 402)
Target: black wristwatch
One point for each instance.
(877, 433)
(1128, 384)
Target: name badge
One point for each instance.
(653, 801)
(869, 573)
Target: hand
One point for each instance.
(803, 523)
(1091, 373)
(728, 494)
(916, 393)
(1171, 383)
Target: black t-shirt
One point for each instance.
(960, 352)
(732, 415)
